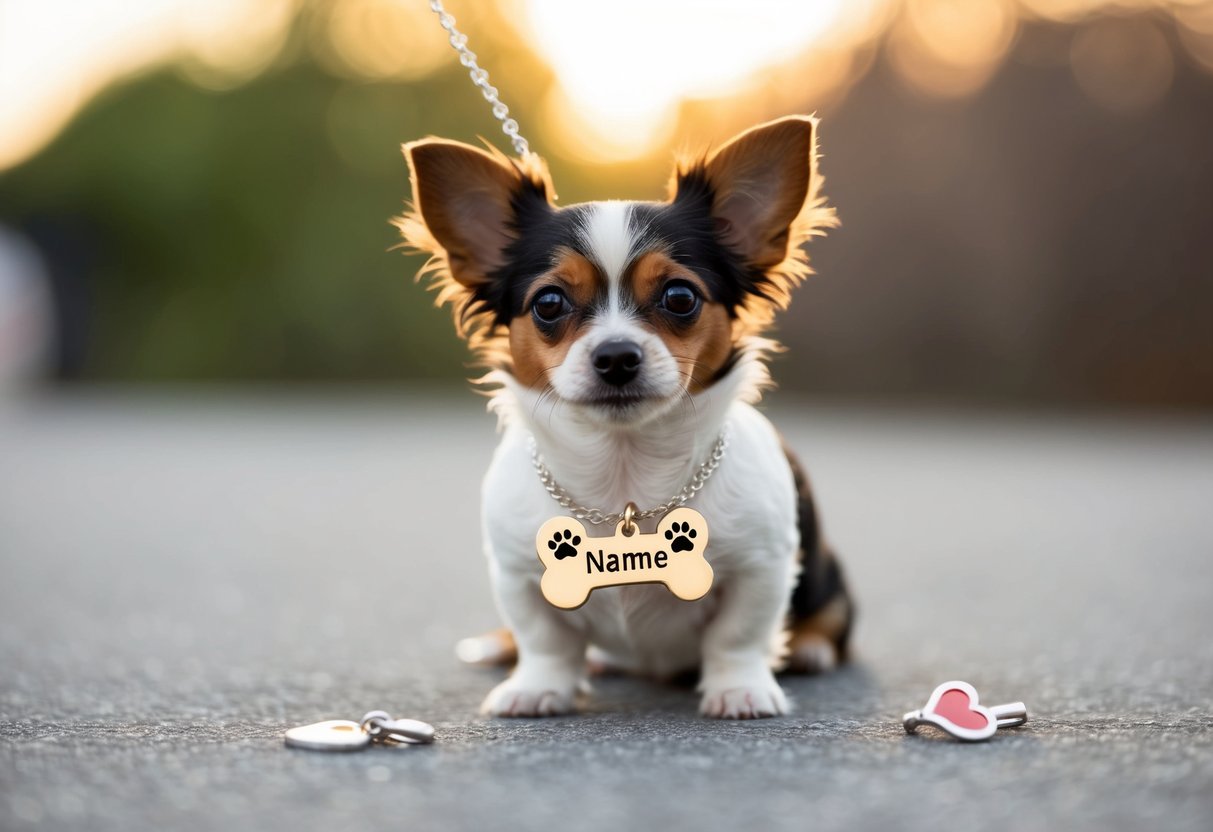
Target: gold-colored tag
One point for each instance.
(576, 563)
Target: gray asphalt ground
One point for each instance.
(184, 576)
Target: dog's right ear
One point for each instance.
(468, 200)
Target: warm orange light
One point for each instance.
(951, 47)
(624, 67)
(1200, 47)
(386, 38)
(626, 72)
(229, 41)
(1196, 17)
(56, 54)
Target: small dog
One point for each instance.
(622, 338)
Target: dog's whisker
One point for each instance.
(549, 390)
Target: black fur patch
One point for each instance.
(821, 579)
(684, 227)
(540, 231)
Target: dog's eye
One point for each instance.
(549, 306)
(680, 300)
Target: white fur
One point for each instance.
(750, 505)
(609, 238)
(661, 378)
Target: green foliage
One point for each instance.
(246, 234)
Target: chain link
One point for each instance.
(593, 515)
(480, 78)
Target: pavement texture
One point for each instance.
(183, 576)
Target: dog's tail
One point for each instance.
(822, 612)
(495, 648)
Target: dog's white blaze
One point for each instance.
(608, 237)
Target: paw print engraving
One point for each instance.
(683, 542)
(564, 544)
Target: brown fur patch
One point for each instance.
(535, 354)
(701, 348)
(820, 642)
(833, 621)
(496, 648)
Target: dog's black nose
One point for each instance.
(618, 362)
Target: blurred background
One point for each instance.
(200, 190)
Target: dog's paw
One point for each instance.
(757, 699)
(530, 697)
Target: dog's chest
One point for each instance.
(646, 629)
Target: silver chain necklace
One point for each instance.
(480, 78)
(596, 516)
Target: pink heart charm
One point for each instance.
(954, 708)
(958, 705)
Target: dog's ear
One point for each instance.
(760, 181)
(467, 199)
(762, 190)
(469, 206)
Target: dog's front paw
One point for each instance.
(755, 698)
(530, 697)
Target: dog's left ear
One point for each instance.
(763, 190)
(467, 199)
(469, 207)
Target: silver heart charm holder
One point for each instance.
(376, 728)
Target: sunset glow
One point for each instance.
(55, 55)
(623, 71)
(624, 67)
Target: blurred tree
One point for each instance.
(229, 235)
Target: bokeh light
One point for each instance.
(1122, 65)
(624, 67)
(56, 55)
(952, 47)
(1196, 32)
(381, 39)
(624, 75)
(227, 42)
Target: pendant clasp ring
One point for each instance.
(629, 519)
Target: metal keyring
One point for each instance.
(372, 723)
(380, 727)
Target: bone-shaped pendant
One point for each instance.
(576, 563)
